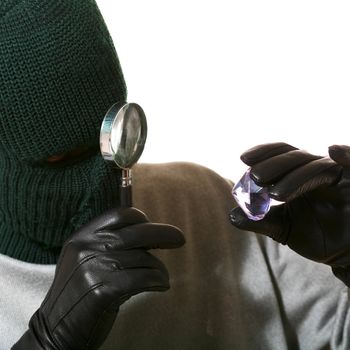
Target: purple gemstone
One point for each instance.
(253, 199)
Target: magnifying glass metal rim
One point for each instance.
(113, 116)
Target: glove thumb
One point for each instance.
(340, 154)
(272, 225)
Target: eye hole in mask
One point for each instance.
(69, 158)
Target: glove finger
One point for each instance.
(259, 153)
(116, 218)
(100, 269)
(132, 259)
(316, 174)
(340, 154)
(145, 235)
(272, 225)
(131, 282)
(272, 169)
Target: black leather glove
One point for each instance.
(315, 220)
(101, 266)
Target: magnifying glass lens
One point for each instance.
(128, 135)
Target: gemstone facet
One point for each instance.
(253, 199)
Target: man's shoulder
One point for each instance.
(178, 174)
(181, 187)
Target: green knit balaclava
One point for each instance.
(59, 74)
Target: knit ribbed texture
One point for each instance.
(59, 74)
(41, 207)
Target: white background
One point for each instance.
(217, 77)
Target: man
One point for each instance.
(229, 290)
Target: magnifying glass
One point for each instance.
(122, 140)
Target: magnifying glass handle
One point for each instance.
(126, 188)
(126, 196)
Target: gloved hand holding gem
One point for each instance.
(314, 221)
(101, 266)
